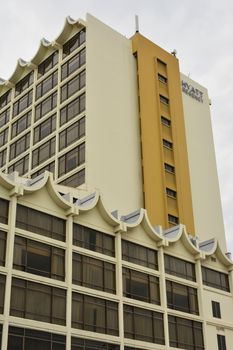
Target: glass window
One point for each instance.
(216, 309)
(185, 334)
(4, 137)
(21, 124)
(140, 286)
(3, 157)
(72, 109)
(73, 86)
(87, 344)
(38, 302)
(221, 342)
(178, 267)
(181, 297)
(4, 207)
(4, 117)
(144, 325)
(74, 180)
(46, 85)
(94, 314)
(71, 160)
(73, 43)
(140, 255)
(27, 339)
(172, 219)
(45, 128)
(24, 83)
(43, 152)
(94, 273)
(73, 133)
(73, 64)
(39, 222)
(2, 247)
(165, 121)
(22, 103)
(164, 99)
(162, 78)
(47, 64)
(49, 167)
(46, 106)
(215, 279)
(169, 168)
(2, 292)
(97, 241)
(39, 258)
(170, 192)
(19, 146)
(21, 166)
(167, 144)
(5, 99)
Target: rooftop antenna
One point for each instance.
(136, 24)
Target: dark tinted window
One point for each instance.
(22, 103)
(48, 64)
(73, 64)
(88, 238)
(178, 267)
(21, 124)
(38, 302)
(185, 334)
(221, 342)
(24, 83)
(141, 286)
(72, 109)
(27, 339)
(86, 344)
(38, 258)
(72, 134)
(4, 207)
(181, 297)
(71, 159)
(216, 309)
(144, 325)
(215, 279)
(2, 247)
(140, 255)
(94, 314)
(72, 44)
(94, 273)
(5, 99)
(21, 166)
(39, 222)
(2, 292)
(74, 180)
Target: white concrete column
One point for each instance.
(163, 294)
(68, 270)
(200, 296)
(119, 288)
(9, 263)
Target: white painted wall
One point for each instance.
(113, 161)
(207, 208)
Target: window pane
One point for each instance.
(93, 240)
(38, 302)
(139, 255)
(39, 222)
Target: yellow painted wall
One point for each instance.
(152, 133)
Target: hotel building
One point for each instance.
(119, 128)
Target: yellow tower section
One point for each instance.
(166, 182)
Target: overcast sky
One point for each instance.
(201, 31)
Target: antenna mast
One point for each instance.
(136, 24)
